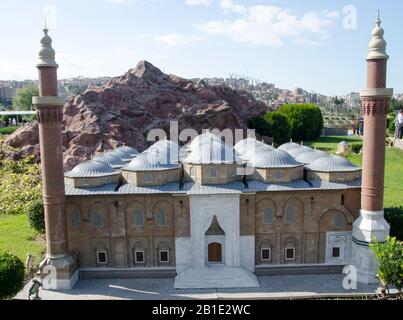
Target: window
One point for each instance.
(139, 256)
(338, 221)
(97, 219)
(164, 256)
(342, 200)
(193, 172)
(148, 178)
(289, 253)
(102, 257)
(268, 216)
(278, 175)
(138, 219)
(75, 220)
(290, 215)
(160, 217)
(336, 252)
(213, 173)
(265, 254)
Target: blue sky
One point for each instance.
(314, 44)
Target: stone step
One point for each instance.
(216, 277)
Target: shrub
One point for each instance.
(36, 216)
(356, 148)
(272, 124)
(20, 186)
(8, 130)
(12, 274)
(394, 216)
(389, 256)
(306, 121)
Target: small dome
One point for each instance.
(254, 149)
(211, 152)
(89, 169)
(110, 160)
(167, 150)
(204, 137)
(288, 146)
(152, 160)
(273, 158)
(332, 164)
(249, 145)
(131, 151)
(295, 152)
(309, 157)
(123, 155)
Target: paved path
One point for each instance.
(272, 287)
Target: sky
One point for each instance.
(318, 45)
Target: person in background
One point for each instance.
(399, 124)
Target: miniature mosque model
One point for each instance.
(207, 213)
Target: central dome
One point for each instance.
(273, 158)
(152, 160)
(211, 151)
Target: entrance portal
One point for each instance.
(215, 252)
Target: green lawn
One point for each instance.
(18, 238)
(393, 169)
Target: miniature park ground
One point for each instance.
(18, 238)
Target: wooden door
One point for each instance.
(214, 252)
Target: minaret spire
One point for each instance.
(375, 104)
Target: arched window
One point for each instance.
(75, 219)
(138, 219)
(97, 219)
(213, 172)
(338, 221)
(290, 215)
(268, 216)
(160, 217)
(148, 178)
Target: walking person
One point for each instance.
(399, 124)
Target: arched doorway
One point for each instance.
(215, 252)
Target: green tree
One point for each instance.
(277, 127)
(389, 256)
(12, 274)
(395, 105)
(306, 120)
(36, 216)
(23, 97)
(259, 124)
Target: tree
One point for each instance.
(277, 127)
(36, 216)
(259, 124)
(306, 120)
(23, 97)
(389, 256)
(395, 105)
(12, 274)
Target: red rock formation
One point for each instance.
(125, 109)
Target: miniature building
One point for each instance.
(176, 211)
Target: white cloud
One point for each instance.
(176, 39)
(229, 5)
(205, 3)
(272, 25)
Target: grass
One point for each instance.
(18, 238)
(393, 166)
(8, 130)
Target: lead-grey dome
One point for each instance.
(211, 152)
(273, 158)
(309, 157)
(332, 164)
(167, 150)
(247, 147)
(288, 146)
(123, 155)
(111, 160)
(152, 160)
(203, 138)
(295, 152)
(131, 151)
(88, 169)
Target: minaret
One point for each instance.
(58, 270)
(375, 104)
